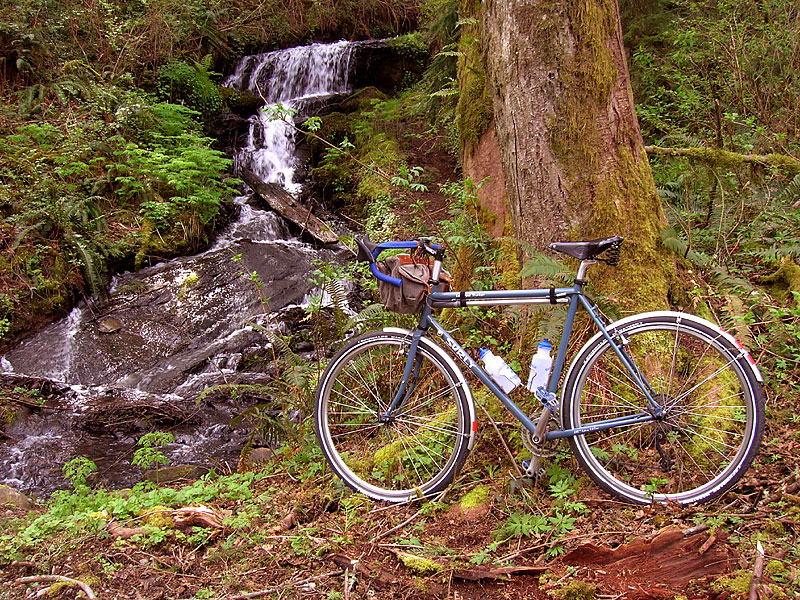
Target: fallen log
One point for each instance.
(288, 207)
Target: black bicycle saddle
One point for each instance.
(589, 250)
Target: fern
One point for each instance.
(545, 266)
(777, 254)
(338, 294)
(95, 269)
(371, 314)
(671, 241)
(689, 141)
(280, 345)
(266, 424)
(725, 280)
(791, 192)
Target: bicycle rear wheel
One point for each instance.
(713, 410)
(414, 451)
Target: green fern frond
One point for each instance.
(791, 192)
(548, 267)
(777, 254)
(671, 241)
(665, 193)
(689, 141)
(724, 279)
(266, 422)
(337, 291)
(94, 268)
(300, 376)
(25, 231)
(372, 313)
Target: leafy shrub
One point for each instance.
(179, 82)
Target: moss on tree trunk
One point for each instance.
(572, 152)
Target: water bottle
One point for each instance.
(541, 363)
(498, 370)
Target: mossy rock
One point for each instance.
(159, 516)
(785, 280)
(737, 582)
(577, 590)
(419, 564)
(9, 495)
(362, 99)
(476, 497)
(241, 102)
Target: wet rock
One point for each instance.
(9, 495)
(377, 64)
(109, 325)
(257, 456)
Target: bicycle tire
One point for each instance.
(713, 401)
(419, 450)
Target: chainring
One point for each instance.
(544, 450)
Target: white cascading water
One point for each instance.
(286, 80)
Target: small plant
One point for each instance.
(484, 556)
(77, 470)
(149, 451)
(523, 525)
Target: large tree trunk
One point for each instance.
(572, 152)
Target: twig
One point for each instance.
(58, 579)
(708, 543)
(693, 530)
(408, 520)
(393, 529)
(758, 571)
(502, 441)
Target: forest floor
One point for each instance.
(294, 532)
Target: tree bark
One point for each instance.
(573, 155)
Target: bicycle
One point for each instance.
(659, 407)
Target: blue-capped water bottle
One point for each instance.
(496, 367)
(541, 364)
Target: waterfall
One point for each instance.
(183, 325)
(286, 80)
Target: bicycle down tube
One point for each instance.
(574, 296)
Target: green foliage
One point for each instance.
(722, 71)
(149, 453)
(85, 186)
(77, 470)
(87, 512)
(190, 85)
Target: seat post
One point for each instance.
(581, 278)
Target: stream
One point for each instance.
(141, 359)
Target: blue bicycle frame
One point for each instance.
(573, 297)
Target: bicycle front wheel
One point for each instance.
(712, 401)
(412, 451)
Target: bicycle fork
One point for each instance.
(409, 381)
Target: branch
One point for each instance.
(714, 156)
(758, 572)
(56, 579)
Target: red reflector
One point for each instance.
(474, 426)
